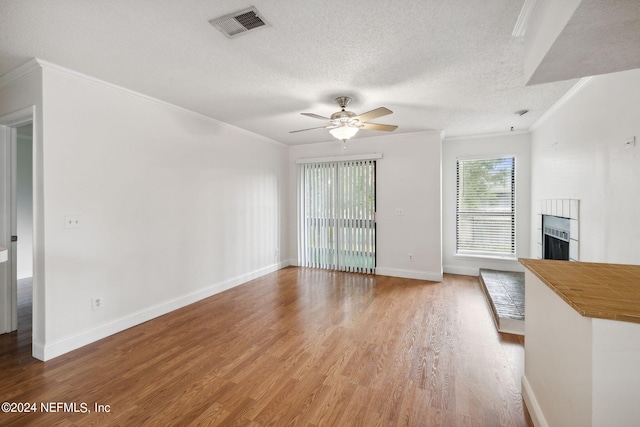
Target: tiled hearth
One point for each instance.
(505, 294)
(565, 208)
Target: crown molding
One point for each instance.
(23, 70)
(486, 135)
(192, 113)
(561, 102)
(524, 18)
(35, 64)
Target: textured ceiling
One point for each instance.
(446, 65)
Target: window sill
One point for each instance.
(497, 258)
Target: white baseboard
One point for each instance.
(395, 272)
(532, 404)
(37, 350)
(409, 274)
(49, 351)
(464, 271)
(468, 266)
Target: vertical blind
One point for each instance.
(336, 224)
(485, 208)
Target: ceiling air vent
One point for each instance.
(235, 24)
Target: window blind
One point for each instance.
(336, 221)
(485, 207)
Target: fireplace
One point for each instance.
(557, 229)
(555, 237)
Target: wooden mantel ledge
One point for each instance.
(605, 291)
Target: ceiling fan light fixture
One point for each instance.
(344, 132)
(344, 124)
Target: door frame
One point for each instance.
(335, 170)
(8, 217)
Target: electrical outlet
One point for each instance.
(96, 303)
(410, 257)
(399, 211)
(72, 221)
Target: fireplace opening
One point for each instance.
(555, 237)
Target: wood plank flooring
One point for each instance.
(297, 347)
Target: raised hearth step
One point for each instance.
(505, 294)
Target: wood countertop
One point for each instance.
(605, 291)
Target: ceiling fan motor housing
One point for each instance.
(343, 116)
(343, 101)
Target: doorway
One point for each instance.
(19, 282)
(24, 227)
(337, 206)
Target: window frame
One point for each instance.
(473, 254)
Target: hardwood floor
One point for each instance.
(296, 347)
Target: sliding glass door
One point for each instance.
(337, 205)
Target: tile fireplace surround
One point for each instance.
(565, 208)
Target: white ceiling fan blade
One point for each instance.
(373, 114)
(375, 126)
(321, 127)
(315, 116)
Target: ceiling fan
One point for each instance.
(345, 124)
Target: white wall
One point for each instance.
(616, 377)
(408, 177)
(517, 145)
(579, 153)
(557, 381)
(579, 371)
(24, 201)
(173, 207)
